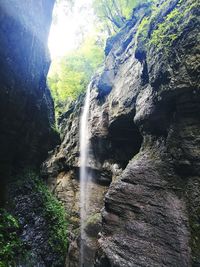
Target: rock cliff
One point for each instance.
(26, 107)
(144, 135)
(27, 134)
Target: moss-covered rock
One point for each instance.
(93, 225)
(174, 24)
(11, 246)
(42, 219)
(164, 25)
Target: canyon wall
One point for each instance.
(144, 135)
(27, 134)
(26, 106)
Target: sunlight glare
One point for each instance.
(66, 32)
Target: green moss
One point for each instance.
(11, 247)
(94, 219)
(142, 32)
(55, 129)
(162, 35)
(30, 187)
(93, 225)
(56, 217)
(173, 25)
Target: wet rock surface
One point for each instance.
(144, 135)
(26, 120)
(26, 106)
(147, 218)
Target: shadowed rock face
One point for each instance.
(26, 123)
(145, 126)
(26, 107)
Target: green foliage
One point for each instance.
(55, 129)
(51, 210)
(55, 215)
(29, 188)
(162, 35)
(142, 33)
(112, 14)
(70, 76)
(10, 244)
(165, 30)
(173, 25)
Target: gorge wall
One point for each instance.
(27, 134)
(26, 107)
(145, 137)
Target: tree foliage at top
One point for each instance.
(113, 14)
(70, 75)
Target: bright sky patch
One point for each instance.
(67, 29)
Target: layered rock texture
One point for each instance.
(26, 123)
(145, 139)
(26, 107)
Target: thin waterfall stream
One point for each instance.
(84, 174)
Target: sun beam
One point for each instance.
(67, 29)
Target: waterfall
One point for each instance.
(84, 175)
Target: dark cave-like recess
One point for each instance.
(125, 139)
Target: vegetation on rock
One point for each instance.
(39, 206)
(11, 246)
(70, 75)
(173, 24)
(93, 224)
(170, 26)
(113, 14)
(146, 204)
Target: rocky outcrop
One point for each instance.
(144, 135)
(61, 171)
(149, 218)
(26, 107)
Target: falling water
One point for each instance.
(84, 175)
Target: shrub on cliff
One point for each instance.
(11, 246)
(113, 14)
(42, 219)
